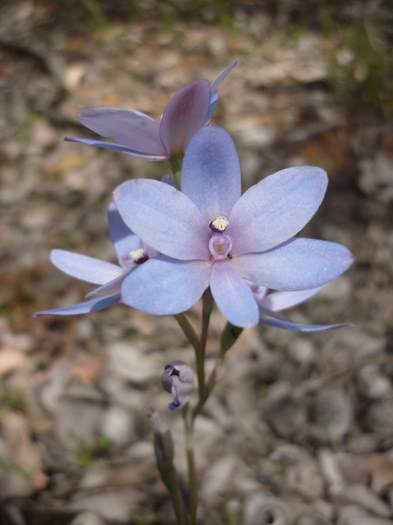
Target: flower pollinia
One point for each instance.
(139, 135)
(131, 252)
(209, 234)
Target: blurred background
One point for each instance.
(300, 430)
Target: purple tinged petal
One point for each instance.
(132, 128)
(276, 209)
(233, 295)
(222, 76)
(164, 218)
(163, 286)
(298, 264)
(83, 267)
(211, 172)
(123, 239)
(215, 85)
(94, 305)
(116, 147)
(185, 114)
(277, 301)
(299, 327)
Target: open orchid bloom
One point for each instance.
(272, 304)
(211, 235)
(139, 135)
(130, 251)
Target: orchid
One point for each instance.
(130, 251)
(209, 234)
(139, 135)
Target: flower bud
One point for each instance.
(163, 442)
(178, 380)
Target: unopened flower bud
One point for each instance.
(178, 380)
(163, 442)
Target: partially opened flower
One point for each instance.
(272, 304)
(131, 252)
(139, 135)
(209, 234)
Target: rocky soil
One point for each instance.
(300, 429)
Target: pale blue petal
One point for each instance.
(233, 295)
(276, 209)
(299, 327)
(296, 265)
(215, 85)
(277, 301)
(123, 239)
(85, 268)
(94, 305)
(222, 76)
(166, 219)
(116, 147)
(132, 128)
(185, 114)
(163, 286)
(111, 288)
(211, 172)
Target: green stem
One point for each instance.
(192, 473)
(207, 308)
(188, 331)
(170, 480)
(175, 162)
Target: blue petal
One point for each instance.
(123, 239)
(163, 286)
(115, 147)
(211, 172)
(94, 305)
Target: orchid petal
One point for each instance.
(215, 84)
(233, 295)
(164, 218)
(222, 76)
(123, 239)
(163, 286)
(129, 127)
(184, 115)
(277, 301)
(111, 288)
(299, 327)
(275, 209)
(94, 305)
(211, 172)
(298, 264)
(116, 147)
(83, 267)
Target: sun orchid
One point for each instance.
(209, 234)
(131, 252)
(139, 135)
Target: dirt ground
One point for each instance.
(300, 429)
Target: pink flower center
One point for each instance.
(220, 246)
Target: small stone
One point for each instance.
(353, 515)
(333, 414)
(87, 518)
(379, 418)
(364, 497)
(265, 509)
(287, 416)
(311, 519)
(373, 384)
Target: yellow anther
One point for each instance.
(219, 224)
(137, 255)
